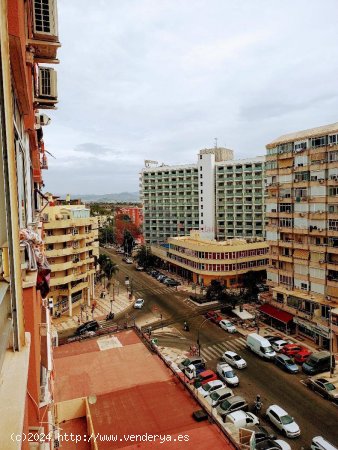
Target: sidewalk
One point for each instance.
(120, 306)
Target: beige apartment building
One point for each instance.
(302, 210)
(203, 260)
(71, 239)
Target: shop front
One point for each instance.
(277, 318)
(319, 334)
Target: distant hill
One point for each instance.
(108, 198)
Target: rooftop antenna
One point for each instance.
(215, 142)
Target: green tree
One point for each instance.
(106, 235)
(109, 270)
(145, 258)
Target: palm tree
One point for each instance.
(109, 270)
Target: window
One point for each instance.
(318, 141)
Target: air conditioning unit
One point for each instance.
(328, 297)
(47, 83)
(295, 180)
(45, 19)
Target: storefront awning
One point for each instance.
(276, 313)
(242, 314)
(301, 254)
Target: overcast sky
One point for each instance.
(160, 79)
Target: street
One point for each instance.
(314, 415)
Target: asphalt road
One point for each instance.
(314, 415)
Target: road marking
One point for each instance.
(210, 350)
(218, 349)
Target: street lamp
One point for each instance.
(331, 353)
(198, 336)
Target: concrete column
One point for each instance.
(88, 296)
(70, 305)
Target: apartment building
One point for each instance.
(203, 260)
(28, 38)
(219, 196)
(302, 210)
(71, 242)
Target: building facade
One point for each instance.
(207, 196)
(201, 260)
(28, 40)
(71, 241)
(302, 210)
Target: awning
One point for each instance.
(276, 313)
(242, 314)
(301, 254)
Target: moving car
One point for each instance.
(278, 345)
(302, 356)
(233, 359)
(196, 361)
(92, 325)
(216, 397)
(230, 405)
(139, 303)
(205, 377)
(260, 345)
(210, 387)
(226, 373)
(227, 326)
(324, 387)
(286, 363)
(319, 443)
(213, 316)
(283, 421)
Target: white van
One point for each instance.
(319, 443)
(259, 345)
(242, 419)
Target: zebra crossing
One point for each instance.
(216, 350)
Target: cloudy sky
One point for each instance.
(160, 79)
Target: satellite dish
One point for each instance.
(92, 399)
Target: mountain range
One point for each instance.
(109, 198)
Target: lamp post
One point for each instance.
(198, 336)
(330, 334)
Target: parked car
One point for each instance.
(286, 363)
(272, 444)
(213, 316)
(324, 387)
(172, 283)
(226, 373)
(261, 433)
(318, 362)
(283, 421)
(139, 303)
(271, 338)
(319, 443)
(192, 371)
(139, 268)
(227, 326)
(278, 345)
(291, 349)
(160, 277)
(302, 356)
(233, 359)
(230, 405)
(154, 273)
(197, 361)
(208, 388)
(262, 287)
(216, 397)
(92, 325)
(205, 377)
(242, 419)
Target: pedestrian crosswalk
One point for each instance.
(216, 350)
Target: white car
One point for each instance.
(234, 360)
(278, 345)
(139, 303)
(129, 261)
(228, 326)
(283, 421)
(209, 388)
(217, 397)
(227, 374)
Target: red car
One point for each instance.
(205, 377)
(214, 317)
(292, 349)
(302, 356)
